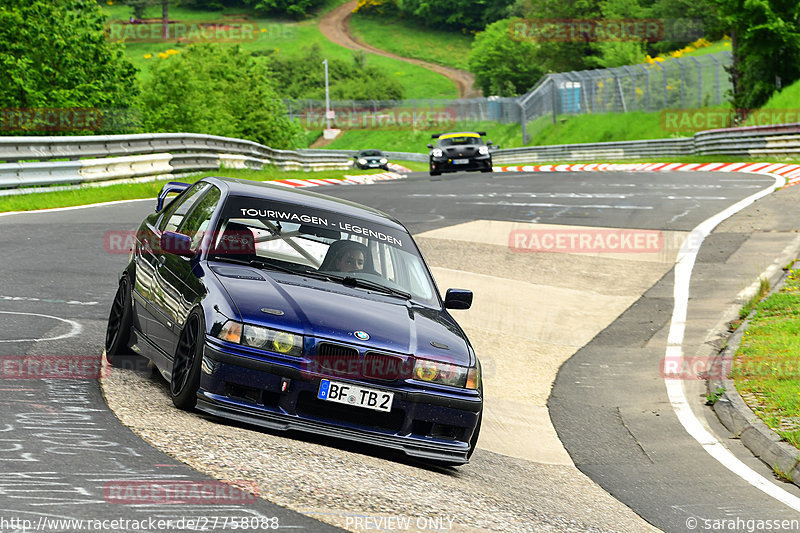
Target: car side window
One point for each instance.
(196, 222)
(177, 210)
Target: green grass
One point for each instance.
(767, 362)
(284, 37)
(594, 128)
(717, 46)
(409, 39)
(782, 107)
(131, 191)
(503, 135)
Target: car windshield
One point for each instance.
(371, 153)
(295, 238)
(457, 141)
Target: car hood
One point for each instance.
(331, 311)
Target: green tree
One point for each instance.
(304, 77)
(504, 66)
(54, 53)
(218, 90)
(457, 14)
(292, 8)
(616, 53)
(766, 46)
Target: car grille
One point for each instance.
(343, 361)
(336, 360)
(462, 151)
(386, 367)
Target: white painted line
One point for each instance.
(76, 328)
(44, 300)
(71, 208)
(683, 273)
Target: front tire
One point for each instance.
(185, 378)
(120, 321)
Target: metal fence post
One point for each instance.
(699, 81)
(664, 72)
(683, 84)
(633, 85)
(524, 123)
(716, 76)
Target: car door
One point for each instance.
(151, 257)
(177, 286)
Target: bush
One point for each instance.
(504, 66)
(54, 54)
(304, 77)
(217, 90)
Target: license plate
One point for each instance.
(460, 161)
(335, 391)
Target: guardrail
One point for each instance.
(30, 161)
(755, 141)
(96, 158)
(781, 140)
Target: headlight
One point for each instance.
(384, 160)
(272, 340)
(483, 150)
(437, 152)
(446, 374)
(362, 161)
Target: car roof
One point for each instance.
(279, 193)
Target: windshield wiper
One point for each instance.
(350, 281)
(261, 262)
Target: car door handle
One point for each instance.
(161, 259)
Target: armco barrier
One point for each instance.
(104, 157)
(122, 156)
(14, 149)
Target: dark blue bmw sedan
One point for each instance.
(297, 311)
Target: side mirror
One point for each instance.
(430, 146)
(458, 299)
(489, 143)
(176, 243)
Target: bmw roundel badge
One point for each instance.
(361, 335)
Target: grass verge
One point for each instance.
(409, 39)
(767, 363)
(602, 127)
(88, 194)
(503, 135)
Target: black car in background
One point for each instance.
(371, 159)
(455, 152)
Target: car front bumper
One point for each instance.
(425, 424)
(446, 164)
